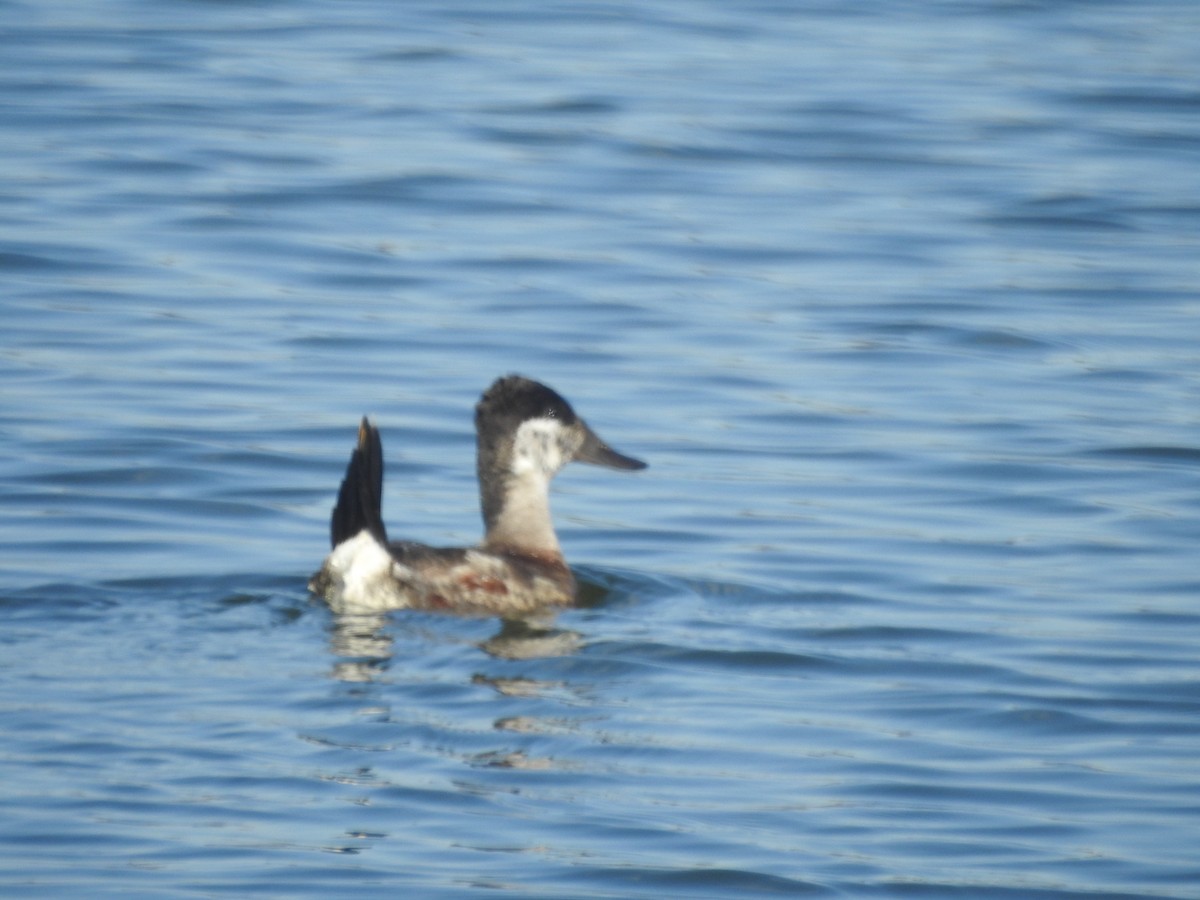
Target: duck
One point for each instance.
(525, 434)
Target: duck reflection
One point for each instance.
(364, 649)
(531, 639)
(363, 645)
(528, 719)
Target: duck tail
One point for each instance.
(360, 499)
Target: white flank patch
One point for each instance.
(365, 569)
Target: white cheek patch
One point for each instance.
(538, 448)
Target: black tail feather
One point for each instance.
(360, 499)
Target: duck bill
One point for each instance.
(598, 453)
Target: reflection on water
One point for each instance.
(364, 650)
(364, 647)
(363, 644)
(513, 759)
(524, 639)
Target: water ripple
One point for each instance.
(904, 324)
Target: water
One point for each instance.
(898, 301)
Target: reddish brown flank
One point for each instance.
(489, 584)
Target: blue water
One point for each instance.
(901, 303)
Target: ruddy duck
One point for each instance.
(525, 433)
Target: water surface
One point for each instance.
(898, 302)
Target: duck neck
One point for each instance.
(517, 519)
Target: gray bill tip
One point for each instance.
(598, 453)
